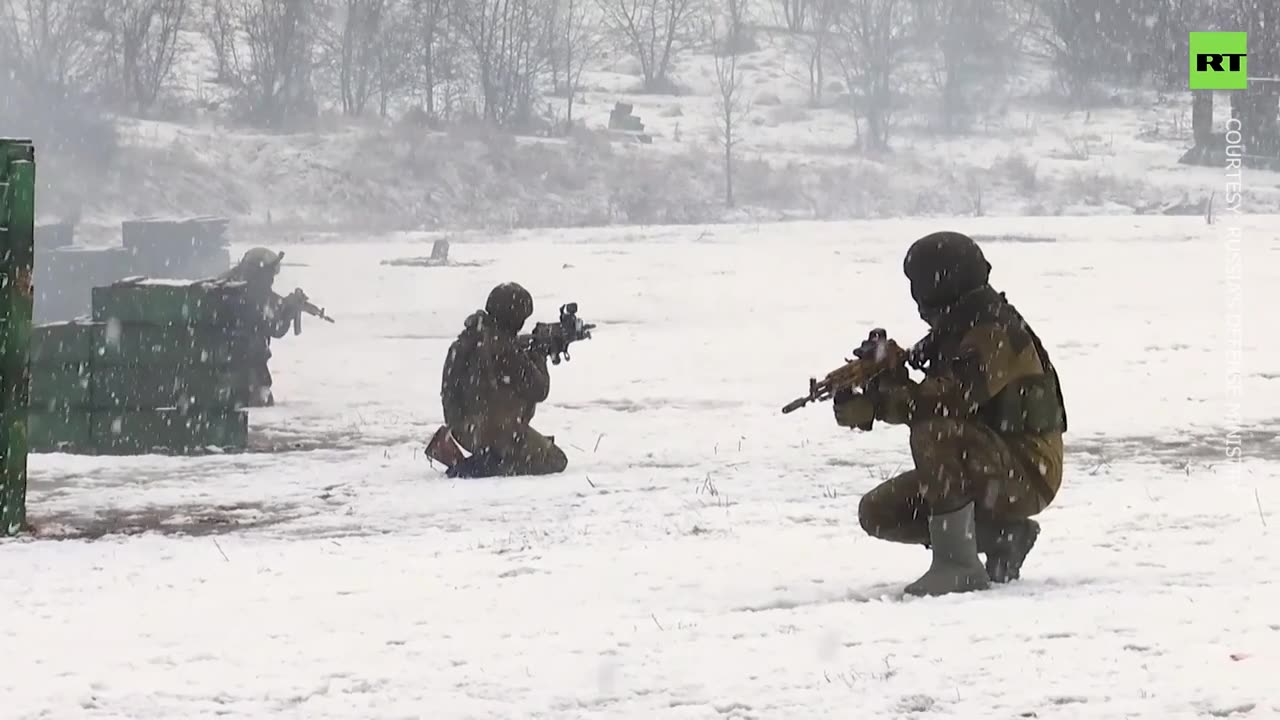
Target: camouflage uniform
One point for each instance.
(490, 389)
(986, 423)
(270, 317)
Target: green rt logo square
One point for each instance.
(1218, 61)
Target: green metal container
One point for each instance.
(76, 341)
(60, 388)
(66, 431)
(141, 388)
(17, 252)
(177, 345)
(168, 430)
(112, 343)
(171, 302)
(141, 378)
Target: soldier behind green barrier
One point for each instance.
(490, 388)
(986, 426)
(271, 317)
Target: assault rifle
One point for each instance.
(299, 300)
(553, 339)
(877, 354)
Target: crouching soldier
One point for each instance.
(986, 426)
(491, 386)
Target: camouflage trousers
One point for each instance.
(528, 452)
(255, 386)
(956, 462)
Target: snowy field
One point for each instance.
(701, 558)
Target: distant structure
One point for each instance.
(621, 120)
(440, 251)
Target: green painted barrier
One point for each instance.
(17, 255)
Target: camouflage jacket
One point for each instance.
(985, 364)
(275, 316)
(490, 387)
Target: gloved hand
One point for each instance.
(891, 394)
(885, 382)
(853, 410)
(291, 304)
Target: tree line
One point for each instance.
(502, 60)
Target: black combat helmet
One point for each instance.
(942, 267)
(261, 258)
(509, 305)
(259, 265)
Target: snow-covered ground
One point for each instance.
(701, 558)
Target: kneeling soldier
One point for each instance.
(490, 389)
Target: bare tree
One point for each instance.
(555, 46)
(1170, 32)
(794, 14)
(872, 42)
(1092, 40)
(218, 25)
(655, 31)
(45, 46)
(355, 42)
(1258, 107)
(142, 45)
(395, 65)
(429, 22)
(975, 42)
(507, 39)
(275, 75)
(578, 42)
(731, 106)
(737, 40)
(822, 19)
(50, 61)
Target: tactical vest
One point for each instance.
(1031, 404)
(1027, 405)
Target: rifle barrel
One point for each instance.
(795, 405)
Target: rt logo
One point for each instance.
(1219, 61)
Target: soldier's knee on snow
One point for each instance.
(866, 515)
(871, 515)
(557, 461)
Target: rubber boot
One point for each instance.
(1006, 545)
(956, 566)
(482, 464)
(444, 449)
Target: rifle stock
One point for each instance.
(877, 354)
